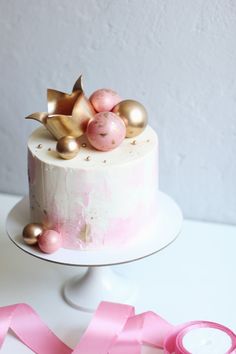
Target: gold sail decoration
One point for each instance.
(68, 114)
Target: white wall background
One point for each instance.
(177, 57)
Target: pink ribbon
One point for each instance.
(114, 329)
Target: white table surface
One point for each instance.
(192, 279)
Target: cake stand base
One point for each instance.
(100, 283)
(85, 293)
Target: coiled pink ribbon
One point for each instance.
(114, 329)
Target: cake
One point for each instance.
(100, 197)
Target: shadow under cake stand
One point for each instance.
(100, 283)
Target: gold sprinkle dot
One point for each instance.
(49, 149)
(134, 142)
(84, 145)
(39, 146)
(88, 158)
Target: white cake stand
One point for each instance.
(100, 282)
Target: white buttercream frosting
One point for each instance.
(130, 150)
(97, 198)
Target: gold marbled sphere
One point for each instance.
(31, 232)
(67, 147)
(134, 115)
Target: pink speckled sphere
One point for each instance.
(104, 100)
(106, 131)
(50, 241)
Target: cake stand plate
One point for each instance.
(100, 283)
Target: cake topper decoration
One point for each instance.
(68, 114)
(67, 147)
(106, 131)
(134, 115)
(103, 100)
(60, 102)
(104, 118)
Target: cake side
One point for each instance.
(96, 199)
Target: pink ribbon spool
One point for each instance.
(174, 343)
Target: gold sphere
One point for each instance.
(134, 115)
(31, 232)
(67, 147)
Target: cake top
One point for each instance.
(104, 120)
(43, 147)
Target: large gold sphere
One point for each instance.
(31, 232)
(134, 115)
(67, 147)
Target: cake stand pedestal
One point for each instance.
(100, 283)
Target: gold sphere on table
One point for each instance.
(67, 147)
(31, 232)
(134, 116)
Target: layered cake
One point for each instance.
(93, 178)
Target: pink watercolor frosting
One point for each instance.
(106, 201)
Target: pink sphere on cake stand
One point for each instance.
(50, 241)
(106, 131)
(104, 100)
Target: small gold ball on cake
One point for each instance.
(67, 147)
(134, 116)
(31, 232)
